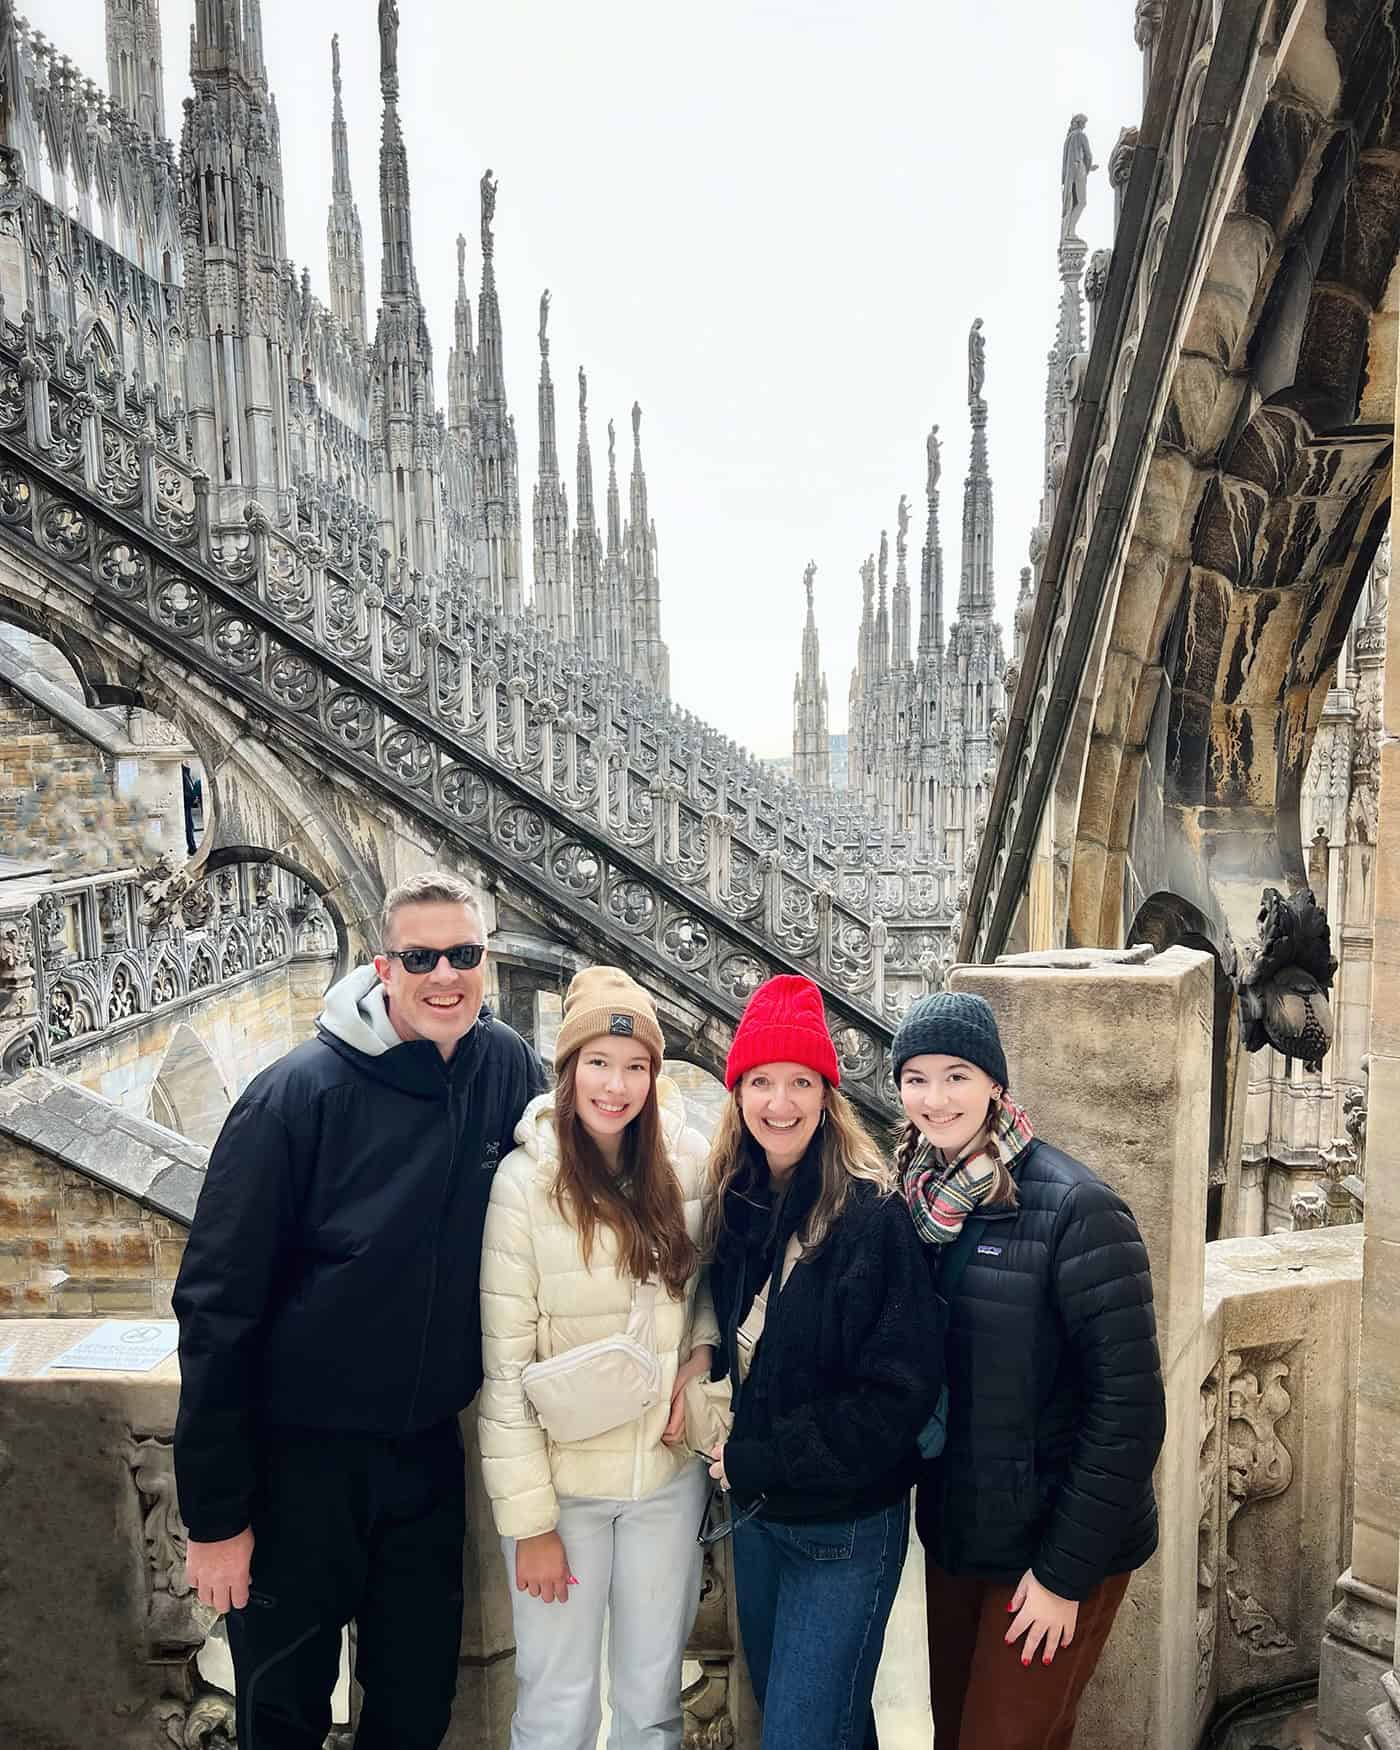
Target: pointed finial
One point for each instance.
(637, 423)
(582, 394)
(488, 213)
(935, 462)
(544, 325)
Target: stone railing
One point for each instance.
(80, 959)
(487, 728)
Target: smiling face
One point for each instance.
(782, 1106)
(946, 1099)
(440, 1006)
(612, 1078)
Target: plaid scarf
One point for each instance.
(940, 1196)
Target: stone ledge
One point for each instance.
(90, 1135)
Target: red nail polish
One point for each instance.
(1025, 1661)
(1010, 1607)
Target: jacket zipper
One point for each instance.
(437, 1242)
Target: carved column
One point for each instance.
(1359, 1684)
(21, 1032)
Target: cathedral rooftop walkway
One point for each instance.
(624, 829)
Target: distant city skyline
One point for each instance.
(773, 232)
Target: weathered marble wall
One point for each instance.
(242, 1029)
(94, 1204)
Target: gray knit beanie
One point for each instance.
(953, 1023)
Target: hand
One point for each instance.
(218, 1572)
(717, 1468)
(542, 1568)
(1041, 1615)
(698, 1367)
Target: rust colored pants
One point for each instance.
(983, 1697)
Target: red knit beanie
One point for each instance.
(784, 1022)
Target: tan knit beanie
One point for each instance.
(603, 999)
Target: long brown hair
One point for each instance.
(847, 1155)
(641, 1203)
(1003, 1192)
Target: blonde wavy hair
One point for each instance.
(848, 1156)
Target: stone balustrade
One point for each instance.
(81, 959)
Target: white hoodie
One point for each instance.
(538, 1298)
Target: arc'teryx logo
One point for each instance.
(621, 1024)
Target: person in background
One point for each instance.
(598, 1203)
(830, 1338)
(1040, 1505)
(330, 1334)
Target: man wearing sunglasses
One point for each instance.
(330, 1332)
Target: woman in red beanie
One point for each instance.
(808, 1246)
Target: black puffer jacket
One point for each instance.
(1056, 1410)
(332, 1273)
(850, 1363)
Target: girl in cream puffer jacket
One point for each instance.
(607, 1524)
(538, 1299)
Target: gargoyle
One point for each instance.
(1283, 988)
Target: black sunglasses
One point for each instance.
(461, 957)
(711, 1534)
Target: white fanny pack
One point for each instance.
(599, 1386)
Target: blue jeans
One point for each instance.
(813, 1604)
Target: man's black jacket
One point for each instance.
(1056, 1411)
(331, 1278)
(850, 1363)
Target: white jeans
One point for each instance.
(638, 1562)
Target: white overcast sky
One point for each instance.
(769, 221)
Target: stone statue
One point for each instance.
(389, 44)
(636, 422)
(612, 446)
(807, 577)
(488, 212)
(1283, 988)
(1075, 164)
(935, 462)
(901, 539)
(976, 362)
(582, 394)
(461, 259)
(544, 324)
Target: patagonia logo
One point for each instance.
(621, 1024)
(989, 1251)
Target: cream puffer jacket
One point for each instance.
(538, 1299)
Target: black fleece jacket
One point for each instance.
(332, 1274)
(850, 1363)
(1056, 1410)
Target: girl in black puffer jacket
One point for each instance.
(1040, 1504)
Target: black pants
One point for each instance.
(362, 1527)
